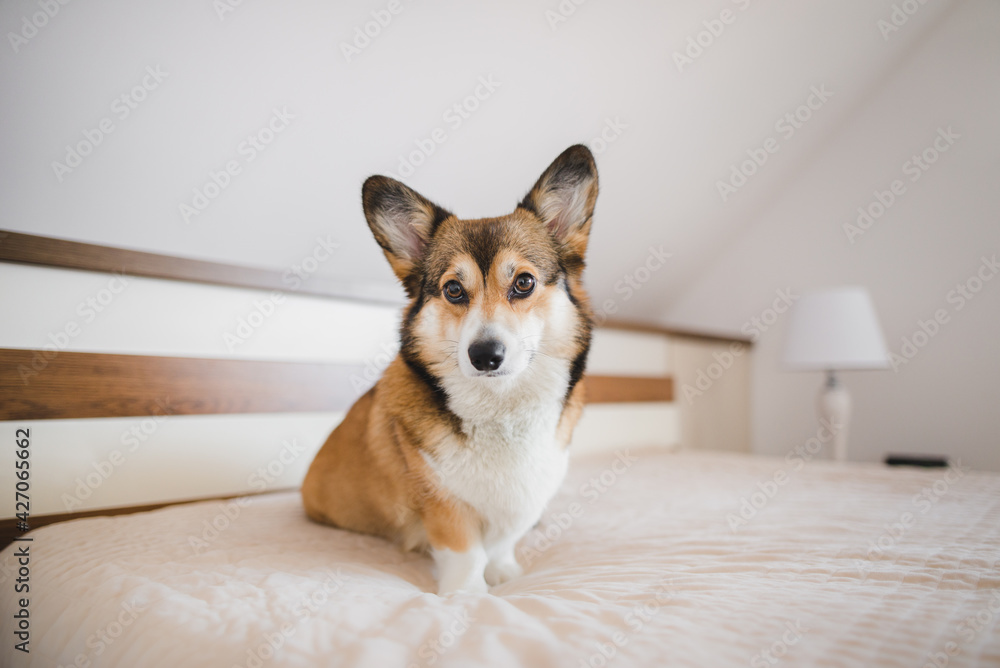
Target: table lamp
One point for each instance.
(830, 331)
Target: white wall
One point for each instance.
(929, 241)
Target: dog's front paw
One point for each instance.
(461, 571)
(475, 586)
(499, 571)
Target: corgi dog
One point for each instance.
(460, 445)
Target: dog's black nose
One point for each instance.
(486, 355)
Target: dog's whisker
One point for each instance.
(536, 351)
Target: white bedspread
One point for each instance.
(644, 563)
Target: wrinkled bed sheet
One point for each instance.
(645, 558)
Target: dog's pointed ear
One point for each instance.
(564, 199)
(403, 222)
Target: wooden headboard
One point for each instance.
(104, 385)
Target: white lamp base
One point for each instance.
(835, 413)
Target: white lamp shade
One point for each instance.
(835, 329)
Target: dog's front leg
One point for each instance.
(502, 565)
(456, 545)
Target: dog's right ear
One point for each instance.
(403, 222)
(563, 198)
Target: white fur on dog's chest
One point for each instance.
(507, 469)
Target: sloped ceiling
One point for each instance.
(558, 73)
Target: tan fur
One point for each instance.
(380, 482)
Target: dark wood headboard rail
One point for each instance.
(99, 385)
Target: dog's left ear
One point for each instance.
(403, 222)
(564, 199)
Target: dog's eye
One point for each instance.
(453, 292)
(523, 285)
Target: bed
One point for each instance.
(647, 556)
(644, 558)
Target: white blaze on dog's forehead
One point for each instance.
(475, 328)
(502, 324)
